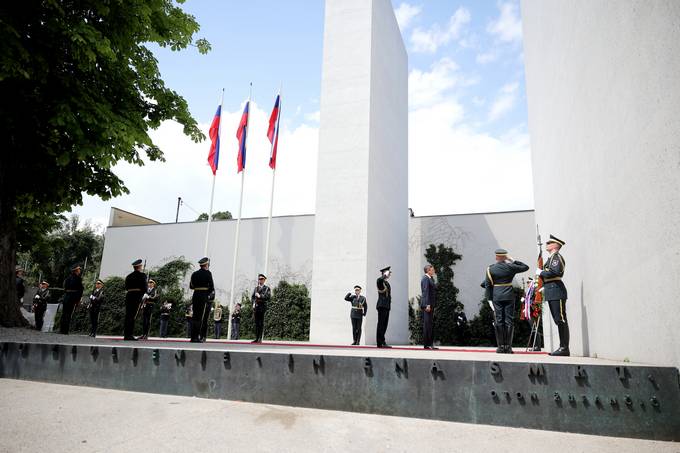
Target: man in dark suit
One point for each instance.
(202, 284)
(260, 297)
(357, 312)
(499, 291)
(427, 305)
(73, 291)
(383, 306)
(555, 292)
(135, 287)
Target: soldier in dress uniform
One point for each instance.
(40, 301)
(135, 285)
(555, 292)
(383, 306)
(73, 291)
(202, 284)
(260, 297)
(357, 312)
(500, 293)
(95, 305)
(148, 306)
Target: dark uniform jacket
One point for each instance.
(384, 294)
(135, 284)
(97, 298)
(42, 298)
(498, 282)
(553, 270)
(152, 295)
(202, 284)
(260, 303)
(359, 306)
(429, 291)
(73, 287)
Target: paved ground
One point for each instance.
(404, 351)
(60, 418)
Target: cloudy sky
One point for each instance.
(468, 139)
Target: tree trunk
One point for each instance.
(10, 315)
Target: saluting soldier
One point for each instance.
(357, 312)
(135, 285)
(40, 301)
(73, 291)
(499, 292)
(95, 305)
(202, 284)
(383, 306)
(149, 303)
(555, 292)
(260, 297)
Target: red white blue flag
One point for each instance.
(214, 133)
(241, 134)
(273, 131)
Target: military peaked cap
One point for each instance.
(262, 276)
(204, 260)
(501, 252)
(555, 240)
(357, 286)
(152, 281)
(75, 267)
(385, 268)
(137, 262)
(99, 281)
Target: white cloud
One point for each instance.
(431, 39)
(504, 102)
(313, 117)
(430, 87)
(405, 14)
(154, 188)
(508, 26)
(486, 57)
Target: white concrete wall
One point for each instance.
(361, 180)
(476, 237)
(603, 86)
(290, 254)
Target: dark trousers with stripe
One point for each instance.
(356, 329)
(383, 320)
(558, 310)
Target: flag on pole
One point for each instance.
(539, 282)
(241, 135)
(273, 131)
(214, 133)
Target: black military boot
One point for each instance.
(509, 330)
(500, 338)
(563, 350)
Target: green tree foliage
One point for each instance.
(53, 254)
(287, 316)
(443, 259)
(80, 90)
(219, 215)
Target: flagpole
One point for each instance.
(212, 191)
(238, 221)
(271, 199)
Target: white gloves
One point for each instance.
(538, 271)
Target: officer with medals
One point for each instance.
(148, 305)
(555, 292)
(383, 306)
(40, 301)
(500, 293)
(261, 295)
(73, 291)
(135, 286)
(202, 284)
(95, 305)
(357, 312)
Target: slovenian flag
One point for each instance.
(273, 132)
(241, 134)
(214, 133)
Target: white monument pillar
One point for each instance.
(362, 180)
